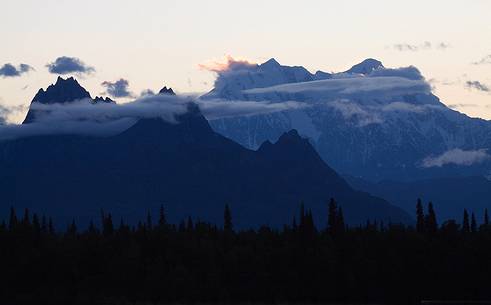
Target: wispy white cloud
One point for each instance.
(408, 107)
(104, 119)
(427, 45)
(390, 85)
(483, 61)
(457, 156)
(366, 115)
(7, 112)
(353, 111)
(214, 109)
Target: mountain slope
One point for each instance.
(450, 195)
(370, 121)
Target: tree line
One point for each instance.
(156, 262)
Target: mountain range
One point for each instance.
(182, 164)
(370, 122)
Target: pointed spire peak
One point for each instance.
(100, 99)
(166, 90)
(64, 90)
(287, 138)
(61, 80)
(271, 63)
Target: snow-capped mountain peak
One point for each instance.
(271, 63)
(366, 67)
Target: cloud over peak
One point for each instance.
(66, 65)
(9, 70)
(230, 64)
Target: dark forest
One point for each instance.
(155, 262)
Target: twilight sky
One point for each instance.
(124, 47)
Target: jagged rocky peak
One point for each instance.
(288, 139)
(100, 99)
(366, 67)
(166, 90)
(63, 91)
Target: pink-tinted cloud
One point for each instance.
(229, 64)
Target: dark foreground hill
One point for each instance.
(186, 167)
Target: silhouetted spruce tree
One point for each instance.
(473, 223)
(465, 222)
(140, 227)
(431, 223)
(301, 219)
(92, 229)
(36, 224)
(121, 225)
(72, 228)
(332, 217)
(190, 225)
(420, 217)
(108, 227)
(26, 220)
(227, 219)
(12, 219)
(309, 223)
(44, 225)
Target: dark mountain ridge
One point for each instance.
(186, 167)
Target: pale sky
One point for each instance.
(154, 43)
